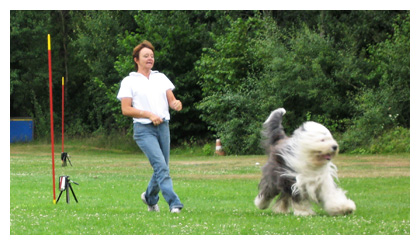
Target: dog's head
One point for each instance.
(316, 143)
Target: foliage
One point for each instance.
(97, 45)
(349, 70)
(41, 117)
(226, 108)
(391, 62)
(229, 59)
(312, 76)
(302, 71)
(305, 72)
(29, 67)
(208, 149)
(394, 141)
(384, 103)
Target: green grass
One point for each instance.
(217, 192)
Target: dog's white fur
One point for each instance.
(300, 171)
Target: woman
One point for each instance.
(146, 96)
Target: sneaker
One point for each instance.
(176, 210)
(153, 208)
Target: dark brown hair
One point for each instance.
(136, 50)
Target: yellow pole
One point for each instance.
(49, 42)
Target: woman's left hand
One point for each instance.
(176, 105)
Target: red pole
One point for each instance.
(51, 116)
(62, 114)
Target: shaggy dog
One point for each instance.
(299, 170)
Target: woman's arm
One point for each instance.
(130, 111)
(172, 101)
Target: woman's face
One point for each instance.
(146, 59)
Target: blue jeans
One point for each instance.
(154, 141)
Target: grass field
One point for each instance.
(217, 193)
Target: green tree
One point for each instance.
(223, 69)
(29, 87)
(384, 103)
(346, 69)
(258, 67)
(97, 45)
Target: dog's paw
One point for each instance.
(350, 207)
(261, 203)
(343, 209)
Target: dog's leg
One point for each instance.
(335, 202)
(339, 205)
(262, 202)
(282, 205)
(302, 208)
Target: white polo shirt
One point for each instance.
(147, 94)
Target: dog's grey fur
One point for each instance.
(299, 169)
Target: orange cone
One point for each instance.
(219, 150)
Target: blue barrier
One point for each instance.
(21, 130)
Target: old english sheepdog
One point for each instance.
(299, 170)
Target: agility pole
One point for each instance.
(51, 116)
(62, 114)
(64, 156)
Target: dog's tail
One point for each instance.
(273, 129)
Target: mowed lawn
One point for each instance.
(217, 193)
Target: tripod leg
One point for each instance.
(71, 188)
(63, 159)
(67, 193)
(58, 199)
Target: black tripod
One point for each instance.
(65, 184)
(64, 158)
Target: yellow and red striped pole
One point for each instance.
(51, 116)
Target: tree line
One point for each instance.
(349, 70)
